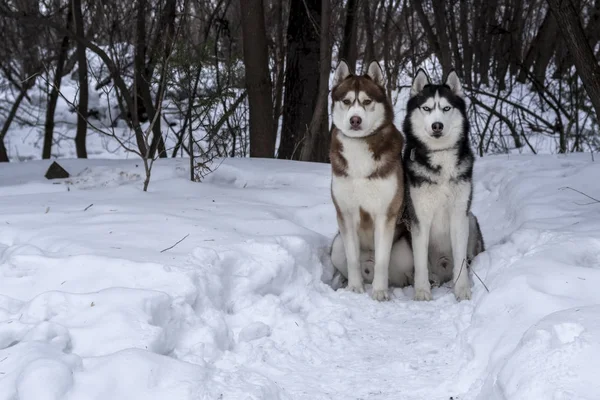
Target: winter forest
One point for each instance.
(174, 78)
(166, 213)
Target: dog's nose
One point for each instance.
(437, 127)
(355, 121)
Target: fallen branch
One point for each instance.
(480, 280)
(180, 240)
(595, 201)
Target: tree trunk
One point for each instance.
(583, 57)
(55, 90)
(432, 38)
(144, 81)
(486, 39)
(9, 119)
(279, 68)
(370, 41)
(301, 75)
(439, 15)
(349, 46)
(315, 146)
(82, 107)
(258, 81)
(465, 41)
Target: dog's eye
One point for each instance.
(425, 108)
(347, 102)
(447, 108)
(367, 102)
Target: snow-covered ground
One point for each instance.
(93, 308)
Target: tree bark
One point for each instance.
(301, 75)
(583, 57)
(258, 81)
(8, 122)
(370, 41)
(349, 43)
(55, 90)
(82, 107)
(279, 67)
(439, 15)
(433, 39)
(144, 80)
(315, 146)
(466, 42)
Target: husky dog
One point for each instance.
(367, 185)
(438, 162)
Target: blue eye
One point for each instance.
(425, 108)
(447, 108)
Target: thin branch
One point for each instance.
(595, 201)
(180, 240)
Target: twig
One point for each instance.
(460, 272)
(85, 209)
(181, 240)
(480, 280)
(589, 197)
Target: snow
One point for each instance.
(91, 307)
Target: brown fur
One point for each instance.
(385, 144)
(395, 208)
(366, 221)
(339, 214)
(339, 164)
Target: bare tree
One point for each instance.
(301, 75)
(349, 48)
(583, 57)
(82, 67)
(258, 81)
(316, 143)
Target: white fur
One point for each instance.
(374, 196)
(421, 79)
(372, 115)
(400, 265)
(441, 212)
(376, 73)
(454, 83)
(342, 71)
(422, 120)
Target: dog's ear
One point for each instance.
(421, 80)
(341, 72)
(454, 83)
(376, 73)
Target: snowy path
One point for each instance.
(90, 308)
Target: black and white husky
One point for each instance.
(438, 162)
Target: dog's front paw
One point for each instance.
(355, 287)
(462, 292)
(422, 295)
(380, 295)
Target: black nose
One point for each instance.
(437, 127)
(355, 122)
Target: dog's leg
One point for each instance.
(384, 237)
(420, 241)
(349, 232)
(459, 235)
(338, 255)
(402, 265)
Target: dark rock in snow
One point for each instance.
(55, 171)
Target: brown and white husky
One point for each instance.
(367, 185)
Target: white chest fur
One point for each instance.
(446, 193)
(356, 189)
